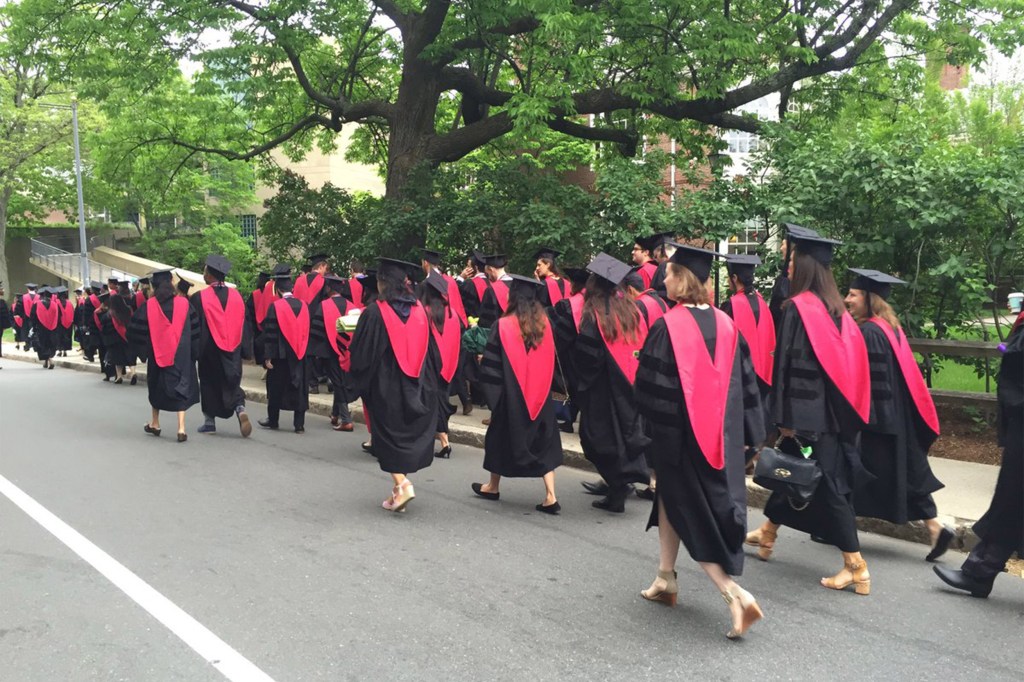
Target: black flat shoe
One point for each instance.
(645, 494)
(552, 509)
(134, 380)
(367, 447)
(444, 453)
(267, 424)
(946, 536)
(592, 488)
(182, 437)
(565, 427)
(301, 429)
(119, 380)
(615, 505)
(478, 489)
(149, 429)
(961, 581)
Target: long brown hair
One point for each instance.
(881, 308)
(614, 313)
(533, 321)
(435, 304)
(810, 275)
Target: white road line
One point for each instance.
(212, 648)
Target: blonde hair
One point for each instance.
(687, 289)
(881, 308)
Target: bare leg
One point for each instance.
(492, 485)
(934, 528)
(549, 489)
(742, 605)
(668, 541)
(155, 419)
(443, 437)
(398, 479)
(181, 422)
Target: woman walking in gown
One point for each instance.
(518, 366)
(447, 332)
(697, 390)
(821, 398)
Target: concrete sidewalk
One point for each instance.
(964, 499)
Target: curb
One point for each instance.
(915, 531)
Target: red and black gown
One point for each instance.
(493, 303)
(697, 392)
(754, 320)
(67, 323)
(46, 327)
(224, 341)
(553, 291)
(286, 330)
(611, 430)
(448, 338)
(565, 317)
(821, 388)
(166, 335)
(325, 342)
(396, 365)
(522, 440)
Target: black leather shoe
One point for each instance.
(368, 447)
(444, 453)
(565, 427)
(592, 488)
(478, 489)
(615, 505)
(267, 424)
(961, 581)
(300, 429)
(552, 509)
(645, 493)
(946, 536)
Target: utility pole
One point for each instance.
(81, 201)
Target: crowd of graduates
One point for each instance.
(675, 398)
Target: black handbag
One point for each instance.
(792, 475)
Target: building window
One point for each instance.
(248, 228)
(741, 142)
(748, 239)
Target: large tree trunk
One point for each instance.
(5, 200)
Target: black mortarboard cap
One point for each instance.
(578, 276)
(478, 257)
(369, 281)
(31, 285)
(547, 252)
(160, 276)
(281, 271)
(432, 257)
(524, 285)
(104, 297)
(817, 247)
(317, 258)
(609, 268)
(438, 282)
(112, 278)
(697, 261)
(331, 277)
(184, 285)
(406, 267)
(124, 281)
(795, 231)
(741, 263)
(874, 281)
(496, 260)
(96, 286)
(218, 263)
(144, 280)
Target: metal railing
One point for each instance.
(69, 265)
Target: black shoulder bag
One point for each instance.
(794, 475)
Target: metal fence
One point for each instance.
(69, 265)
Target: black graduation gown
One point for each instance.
(564, 329)
(44, 341)
(707, 507)
(490, 309)
(544, 296)
(515, 445)
(21, 333)
(894, 445)
(287, 387)
(117, 351)
(64, 333)
(611, 431)
(755, 308)
(89, 333)
(1003, 523)
(252, 330)
(174, 388)
(6, 321)
(803, 398)
(402, 410)
(220, 371)
(319, 346)
(470, 300)
(779, 295)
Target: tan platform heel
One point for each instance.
(751, 611)
(859, 577)
(764, 539)
(668, 595)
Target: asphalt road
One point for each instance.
(279, 547)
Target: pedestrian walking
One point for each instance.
(67, 322)
(697, 390)
(904, 424)
(517, 369)
(446, 330)
(45, 318)
(285, 343)
(548, 272)
(332, 346)
(821, 399)
(165, 334)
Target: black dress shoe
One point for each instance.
(946, 536)
(552, 509)
(592, 488)
(444, 453)
(467, 409)
(961, 581)
(615, 505)
(300, 429)
(478, 489)
(267, 424)
(565, 427)
(367, 447)
(645, 493)
(452, 409)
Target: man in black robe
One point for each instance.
(1001, 528)
(495, 297)
(472, 288)
(252, 303)
(564, 325)
(285, 341)
(224, 341)
(326, 343)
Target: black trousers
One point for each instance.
(298, 417)
(987, 560)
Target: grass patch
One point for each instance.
(953, 376)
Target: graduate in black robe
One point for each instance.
(903, 425)
(285, 344)
(518, 366)
(23, 304)
(165, 334)
(604, 361)
(67, 321)
(565, 319)
(781, 286)
(396, 365)
(472, 288)
(697, 390)
(254, 314)
(1001, 527)
(114, 319)
(548, 272)
(223, 343)
(494, 302)
(821, 399)
(446, 330)
(46, 326)
(89, 329)
(332, 347)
